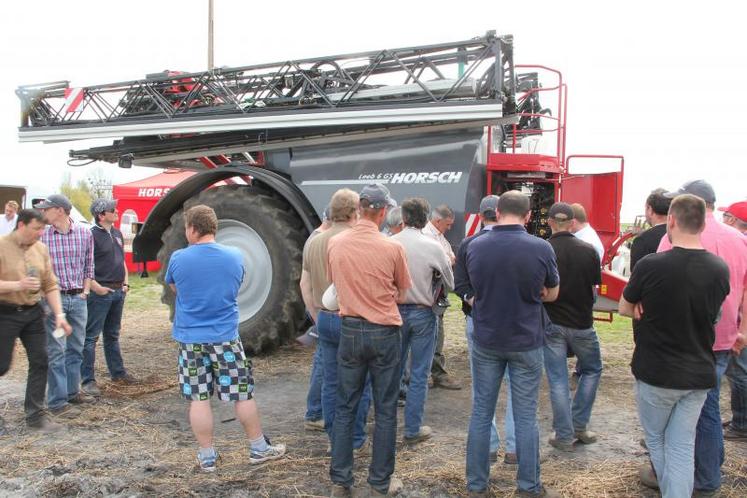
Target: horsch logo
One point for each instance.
(413, 177)
(153, 192)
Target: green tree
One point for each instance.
(79, 194)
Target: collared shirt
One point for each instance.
(431, 230)
(369, 270)
(588, 234)
(18, 261)
(315, 261)
(71, 253)
(724, 241)
(7, 226)
(507, 268)
(424, 257)
(579, 270)
(462, 285)
(108, 252)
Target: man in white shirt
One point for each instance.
(584, 231)
(8, 222)
(442, 219)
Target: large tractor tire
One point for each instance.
(270, 237)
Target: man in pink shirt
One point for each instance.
(730, 245)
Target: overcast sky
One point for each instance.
(661, 83)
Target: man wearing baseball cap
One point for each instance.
(727, 243)
(106, 303)
(736, 216)
(370, 342)
(71, 250)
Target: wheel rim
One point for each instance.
(257, 263)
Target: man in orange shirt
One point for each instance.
(370, 273)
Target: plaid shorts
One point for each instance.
(201, 365)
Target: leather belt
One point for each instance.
(112, 285)
(8, 308)
(71, 292)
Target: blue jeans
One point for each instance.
(488, 368)
(367, 349)
(104, 314)
(65, 355)
(737, 374)
(419, 338)
(566, 420)
(668, 418)
(508, 418)
(328, 328)
(314, 397)
(709, 435)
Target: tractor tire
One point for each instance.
(270, 236)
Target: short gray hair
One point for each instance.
(442, 212)
(394, 217)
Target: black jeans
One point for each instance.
(366, 349)
(27, 325)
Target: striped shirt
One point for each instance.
(71, 254)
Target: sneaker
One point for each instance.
(395, 488)
(363, 450)
(271, 453)
(586, 437)
(314, 425)
(340, 491)
(126, 380)
(208, 460)
(479, 494)
(561, 445)
(732, 434)
(510, 459)
(647, 476)
(446, 382)
(65, 411)
(81, 399)
(703, 493)
(91, 389)
(545, 492)
(423, 434)
(44, 425)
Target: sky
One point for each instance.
(661, 83)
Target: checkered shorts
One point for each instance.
(201, 365)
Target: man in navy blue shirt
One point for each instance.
(512, 273)
(206, 277)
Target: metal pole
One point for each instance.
(210, 35)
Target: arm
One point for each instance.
(54, 301)
(462, 284)
(626, 308)
(126, 284)
(306, 294)
(88, 269)
(549, 294)
(741, 342)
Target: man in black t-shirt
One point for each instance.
(657, 207)
(572, 328)
(675, 297)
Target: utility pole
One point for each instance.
(210, 35)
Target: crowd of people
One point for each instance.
(375, 281)
(62, 285)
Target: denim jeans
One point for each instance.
(418, 338)
(104, 315)
(328, 329)
(28, 326)
(65, 355)
(709, 435)
(737, 374)
(488, 368)
(668, 418)
(314, 397)
(367, 349)
(567, 419)
(508, 418)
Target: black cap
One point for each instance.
(489, 205)
(377, 196)
(56, 200)
(698, 188)
(560, 211)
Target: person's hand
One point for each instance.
(471, 301)
(83, 295)
(740, 343)
(32, 284)
(125, 288)
(638, 311)
(61, 322)
(102, 291)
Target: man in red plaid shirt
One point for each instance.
(71, 250)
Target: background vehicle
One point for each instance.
(448, 122)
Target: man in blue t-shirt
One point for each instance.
(512, 273)
(206, 277)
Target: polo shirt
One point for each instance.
(507, 268)
(369, 270)
(108, 253)
(462, 286)
(315, 261)
(15, 262)
(646, 243)
(731, 246)
(424, 257)
(579, 270)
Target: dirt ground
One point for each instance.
(136, 441)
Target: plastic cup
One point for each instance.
(58, 333)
